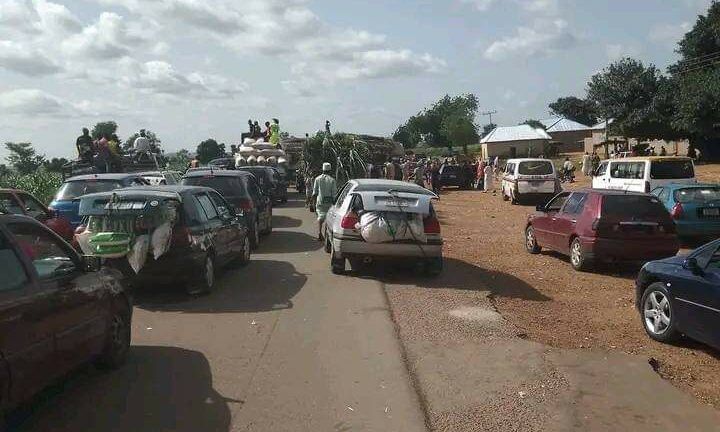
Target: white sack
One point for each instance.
(160, 241)
(138, 253)
(386, 227)
(83, 240)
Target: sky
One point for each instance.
(196, 69)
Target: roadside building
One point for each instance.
(515, 141)
(570, 135)
(605, 142)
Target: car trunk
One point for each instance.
(633, 216)
(394, 217)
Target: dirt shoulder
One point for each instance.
(567, 309)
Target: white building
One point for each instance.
(515, 141)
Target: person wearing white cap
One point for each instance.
(324, 190)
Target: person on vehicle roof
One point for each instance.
(275, 132)
(141, 145)
(84, 144)
(324, 190)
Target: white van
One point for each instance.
(643, 174)
(529, 178)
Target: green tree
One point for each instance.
(695, 83)
(488, 128)
(534, 124)
(102, 129)
(573, 108)
(55, 164)
(154, 140)
(179, 160)
(459, 130)
(209, 150)
(430, 121)
(23, 157)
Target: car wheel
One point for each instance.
(328, 242)
(434, 266)
(505, 197)
(255, 235)
(268, 228)
(206, 283)
(117, 344)
(245, 254)
(657, 314)
(337, 265)
(577, 256)
(531, 243)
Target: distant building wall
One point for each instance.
(571, 141)
(506, 149)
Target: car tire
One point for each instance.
(657, 314)
(328, 242)
(578, 260)
(337, 265)
(206, 281)
(269, 227)
(531, 244)
(117, 344)
(505, 197)
(244, 258)
(255, 235)
(434, 266)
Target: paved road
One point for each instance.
(282, 345)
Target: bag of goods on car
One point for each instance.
(389, 227)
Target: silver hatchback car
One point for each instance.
(396, 200)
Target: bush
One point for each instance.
(41, 184)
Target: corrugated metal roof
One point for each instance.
(561, 124)
(515, 133)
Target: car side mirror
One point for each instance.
(541, 208)
(692, 265)
(92, 263)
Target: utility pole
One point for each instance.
(490, 114)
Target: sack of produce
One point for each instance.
(374, 228)
(387, 227)
(160, 240)
(110, 244)
(138, 253)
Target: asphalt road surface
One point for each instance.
(281, 345)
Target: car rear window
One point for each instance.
(78, 188)
(698, 194)
(672, 169)
(535, 168)
(450, 169)
(632, 206)
(226, 186)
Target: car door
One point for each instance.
(214, 228)
(333, 213)
(600, 177)
(544, 224)
(566, 220)
(234, 229)
(262, 203)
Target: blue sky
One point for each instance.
(193, 69)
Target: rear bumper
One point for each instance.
(181, 265)
(629, 249)
(345, 248)
(527, 189)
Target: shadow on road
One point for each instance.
(288, 242)
(262, 286)
(295, 200)
(159, 389)
(285, 222)
(623, 270)
(456, 275)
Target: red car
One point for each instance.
(17, 202)
(592, 225)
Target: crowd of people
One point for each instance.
(271, 132)
(106, 154)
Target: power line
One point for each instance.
(698, 68)
(696, 58)
(490, 114)
(707, 61)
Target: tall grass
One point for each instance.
(41, 184)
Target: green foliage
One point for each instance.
(154, 141)
(42, 184)
(55, 164)
(23, 158)
(429, 122)
(209, 150)
(179, 161)
(573, 108)
(347, 153)
(535, 124)
(102, 129)
(488, 128)
(460, 131)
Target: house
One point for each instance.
(515, 141)
(605, 142)
(570, 134)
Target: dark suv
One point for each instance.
(58, 310)
(602, 225)
(240, 189)
(270, 181)
(207, 233)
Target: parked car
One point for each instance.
(224, 163)
(593, 225)
(158, 178)
(452, 175)
(207, 234)
(270, 181)
(67, 200)
(694, 208)
(643, 174)
(239, 188)
(58, 310)
(526, 179)
(344, 241)
(681, 295)
(14, 201)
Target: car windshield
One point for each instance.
(535, 168)
(450, 169)
(78, 188)
(226, 186)
(386, 188)
(672, 169)
(698, 195)
(632, 206)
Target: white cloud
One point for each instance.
(31, 62)
(31, 102)
(618, 51)
(481, 5)
(544, 7)
(669, 34)
(110, 37)
(389, 63)
(543, 38)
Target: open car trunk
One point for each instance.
(392, 217)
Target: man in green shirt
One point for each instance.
(324, 190)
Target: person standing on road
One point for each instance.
(419, 174)
(488, 179)
(324, 190)
(586, 164)
(481, 174)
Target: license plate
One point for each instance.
(452, 176)
(711, 212)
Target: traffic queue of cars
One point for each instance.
(639, 210)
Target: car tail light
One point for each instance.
(677, 211)
(647, 187)
(349, 220)
(431, 224)
(246, 204)
(181, 236)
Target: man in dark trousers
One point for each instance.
(84, 145)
